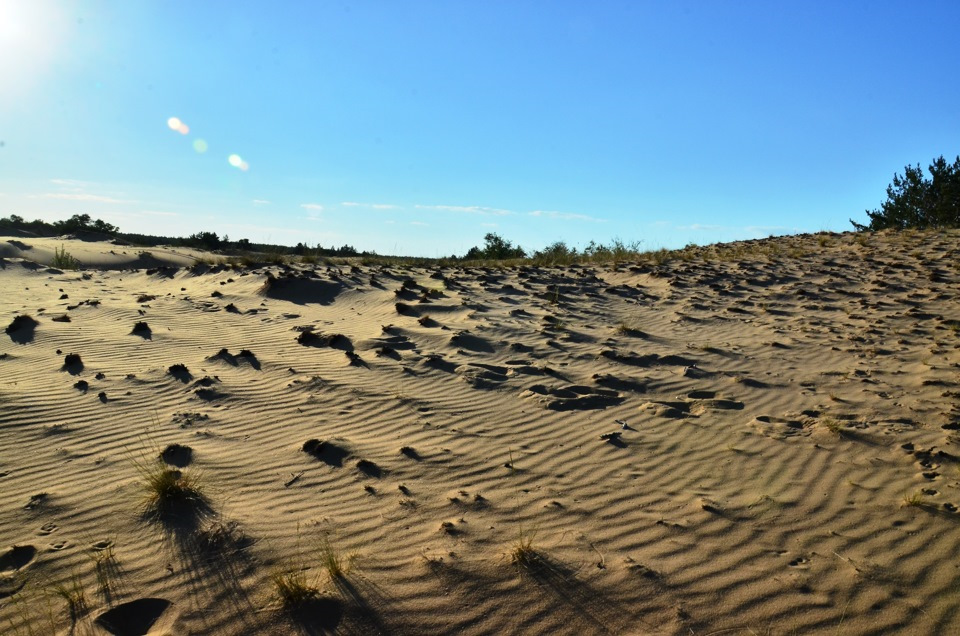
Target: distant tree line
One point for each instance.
(496, 248)
(83, 225)
(915, 201)
(76, 223)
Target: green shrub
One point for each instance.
(62, 259)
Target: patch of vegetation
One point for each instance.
(62, 259)
(105, 568)
(495, 248)
(334, 562)
(292, 588)
(73, 593)
(522, 552)
(916, 499)
(169, 490)
(914, 201)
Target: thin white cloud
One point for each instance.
(159, 213)
(700, 227)
(757, 230)
(769, 229)
(312, 206)
(419, 223)
(467, 209)
(372, 206)
(260, 202)
(73, 184)
(80, 196)
(489, 225)
(565, 216)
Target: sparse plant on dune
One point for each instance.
(75, 596)
(169, 490)
(834, 426)
(105, 568)
(293, 588)
(30, 616)
(333, 561)
(915, 499)
(62, 259)
(522, 553)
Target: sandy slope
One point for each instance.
(98, 254)
(775, 402)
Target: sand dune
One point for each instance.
(754, 438)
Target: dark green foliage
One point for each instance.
(495, 248)
(557, 253)
(205, 240)
(76, 223)
(914, 201)
(202, 240)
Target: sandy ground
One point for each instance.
(759, 438)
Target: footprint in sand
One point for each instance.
(482, 376)
(47, 528)
(16, 558)
(572, 397)
(135, 618)
(779, 427)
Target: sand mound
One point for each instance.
(760, 437)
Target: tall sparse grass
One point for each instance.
(75, 596)
(333, 561)
(105, 568)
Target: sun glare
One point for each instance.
(31, 36)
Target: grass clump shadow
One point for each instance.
(298, 595)
(74, 595)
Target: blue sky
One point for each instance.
(417, 127)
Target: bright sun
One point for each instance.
(31, 32)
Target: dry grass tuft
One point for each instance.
(916, 499)
(169, 489)
(293, 588)
(333, 561)
(522, 553)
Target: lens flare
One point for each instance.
(200, 145)
(235, 161)
(176, 124)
